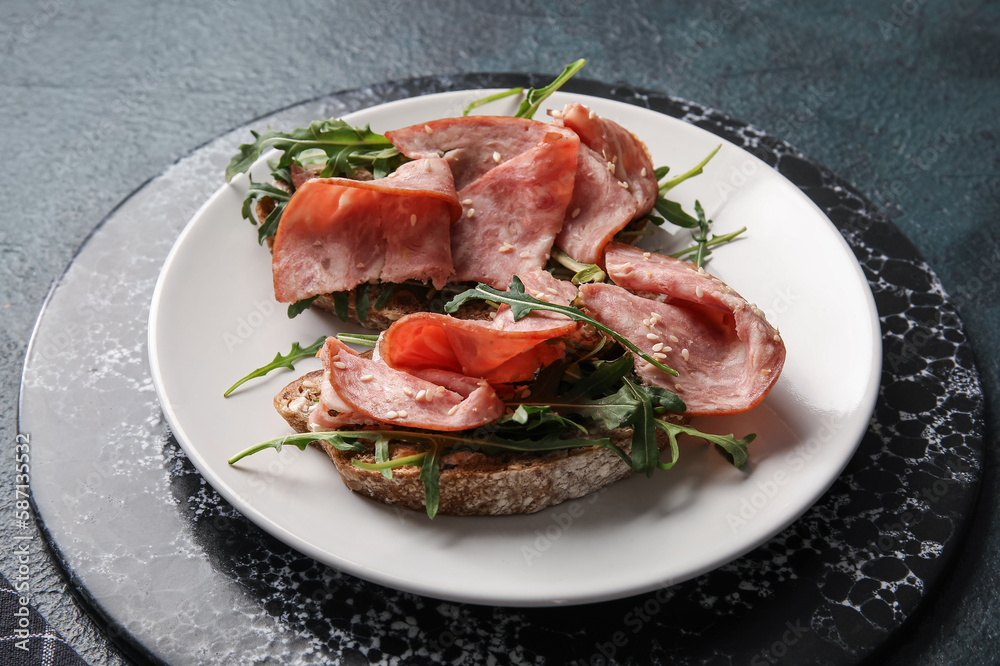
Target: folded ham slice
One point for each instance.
(337, 233)
(615, 184)
(726, 354)
(370, 391)
(501, 351)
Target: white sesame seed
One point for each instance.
(403, 413)
(658, 347)
(622, 184)
(647, 255)
(420, 395)
(777, 337)
(470, 213)
(626, 267)
(366, 378)
(391, 414)
(555, 113)
(339, 365)
(524, 254)
(576, 211)
(591, 115)
(652, 336)
(427, 164)
(685, 354)
(552, 290)
(668, 349)
(496, 157)
(361, 265)
(678, 388)
(427, 128)
(659, 356)
(674, 338)
(466, 202)
(407, 391)
(441, 390)
(655, 317)
(611, 167)
(698, 291)
(643, 172)
(451, 412)
(506, 247)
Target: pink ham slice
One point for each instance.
(501, 351)
(371, 390)
(726, 354)
(337, 233)
(512, 214)
(472, 145)
(615, 183)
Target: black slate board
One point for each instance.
(179, 576)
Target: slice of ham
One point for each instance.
(472, 145)
(512, 214)
(337, 233)
(372, 391)
(598, 210)
(621, 151)
(726, 354)
(501, 351)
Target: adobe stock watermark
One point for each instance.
(711, 32)
(17, 36)
(766, 489)
(913, 167)
(899, 15)
(563, 516)
(246, 325)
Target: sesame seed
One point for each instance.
(339, 365)
(652, 336)
(555, 113)
(524, 254)
(646, 322)
(643, 172)
(674, 338)
(777, 337)
(668, 349)
(658, 347)
(441, 390)
(361, 265)
(626, 267)
(467, 202)
(655, 317)
(413, 220)
(470, 213)
(427, 164)
(506, 247)
(591, 115)
(427, 128)
(765, 371)
(647, 255)
(403, 413)
(451, 412)
(576, 211)
(622, 184)
(698, 291)
(678, 388)
(685, 354)
(366, 378)
(407, 391)
(552, 290)
(611, 167)
(659, 356)
(496, 157)
(391, 414)
(420, 394)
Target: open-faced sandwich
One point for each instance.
(528, 353)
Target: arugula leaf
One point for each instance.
(340, 440)
(364, 339)
(346, 147)
(645, 451)
(287, 361)
(696, 170)
(430, 473)
(298, 307)
(521, 304)
(340, 305)
(361, 302)
(533, 97)
(582, 272)
(736, 450)
(382, 455)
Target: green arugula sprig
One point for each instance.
(346, 148)
(281, 361)
(533, 97)
(521, 304)
(673, 212)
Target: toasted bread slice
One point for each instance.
(471, 483)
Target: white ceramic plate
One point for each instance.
(214, 318)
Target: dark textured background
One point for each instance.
(900, 99)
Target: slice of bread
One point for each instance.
(471, 483)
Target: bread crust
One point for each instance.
(471, 483)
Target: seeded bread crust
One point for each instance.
(471, 483)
